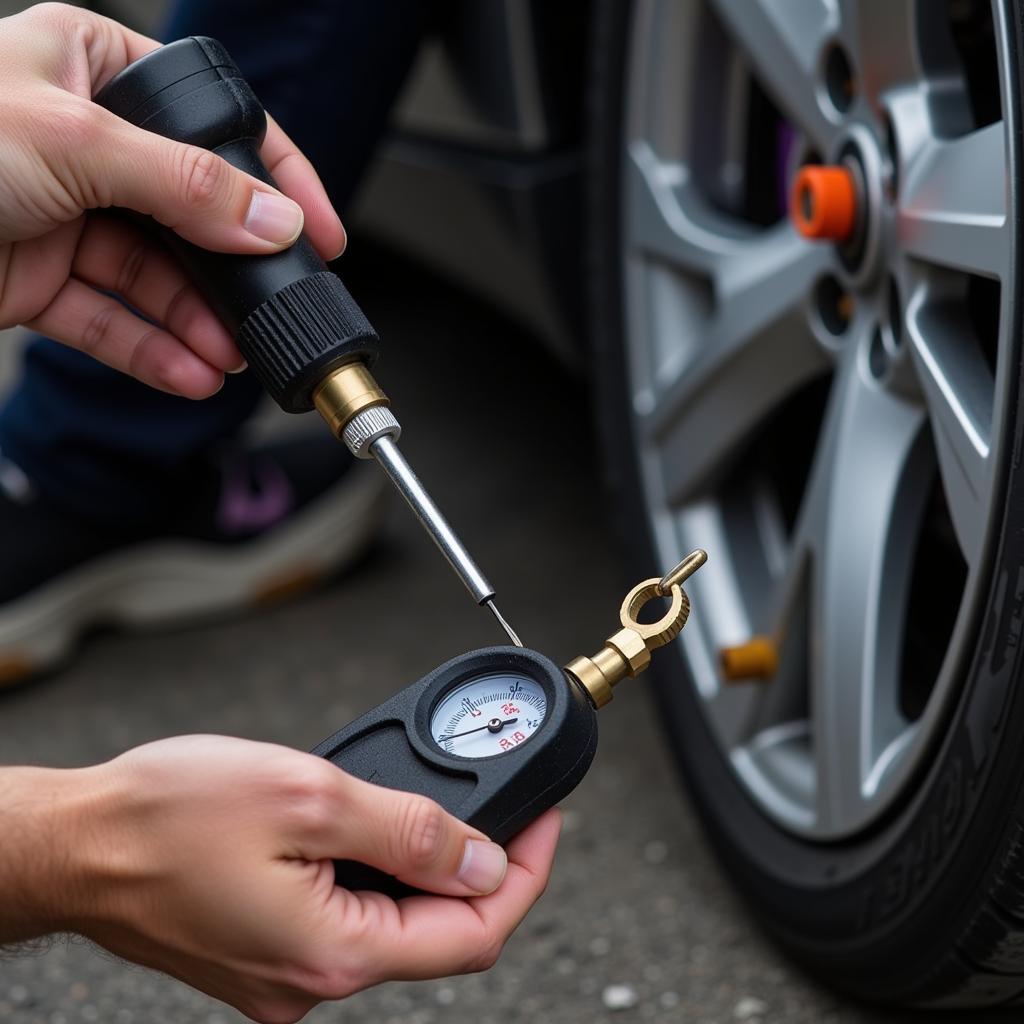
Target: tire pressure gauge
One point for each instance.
(489, 715)
(499, 735)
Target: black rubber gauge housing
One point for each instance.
(392, 746)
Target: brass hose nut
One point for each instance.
(631, 648)
(628, 651)
(347, 391)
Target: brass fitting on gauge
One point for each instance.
(628, 652)
(346, 392)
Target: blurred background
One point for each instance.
(471, 245)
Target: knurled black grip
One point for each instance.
(292, 318)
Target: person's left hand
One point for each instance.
(210, 858)
(62, 156)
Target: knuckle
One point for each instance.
(308, 791)
(334, 973)
(420, 832)
(178, 308)
(53, 14)
(97, 329)
(131, 267)
(147, 360)
(71, 124)
(325, 972)
(484, 958)
(334, 981)
(303, 778)
(201, 176)
(539, 886)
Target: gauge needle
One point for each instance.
(495, 725)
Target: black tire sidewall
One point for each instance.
(880, 914)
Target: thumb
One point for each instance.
(191, 190)
(414, 839)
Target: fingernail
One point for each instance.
(341, 251)
(241, 367)
(273, 218)
(483, 865)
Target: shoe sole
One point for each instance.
(172, 582)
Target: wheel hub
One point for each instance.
(843, 203)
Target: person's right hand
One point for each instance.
(63, 157)
(210, 859)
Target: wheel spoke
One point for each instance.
(783, 42)
(860, 516)
(661, 203)
(880, 39)
(756, 352)
(958, 391)
(954, 201)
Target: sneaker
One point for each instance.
(247, 528)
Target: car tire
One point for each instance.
(925, 907)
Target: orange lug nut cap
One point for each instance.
(823, 203)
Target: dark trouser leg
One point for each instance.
(328, 70)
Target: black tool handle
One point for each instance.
(292, 318)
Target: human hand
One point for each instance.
(62, 156)
(210, 859)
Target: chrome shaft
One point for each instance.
(372, 432)
(391, 460)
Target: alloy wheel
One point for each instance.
(827, 420)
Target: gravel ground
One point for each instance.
(638, 924)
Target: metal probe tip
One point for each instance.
(504, 625)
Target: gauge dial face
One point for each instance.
(488, 715)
